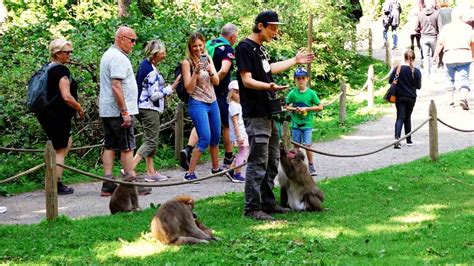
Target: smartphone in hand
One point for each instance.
(203, 60)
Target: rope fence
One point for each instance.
(162, 127)
(359, 91)
(29, 171)
(363, 154)
(457, 129)
(148, 184)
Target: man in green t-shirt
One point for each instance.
(303, 101)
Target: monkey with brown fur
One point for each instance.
(125, 198)
(298, 189)
(175, 223)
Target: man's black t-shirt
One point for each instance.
(221, 53)
(55, 74)
(252, 57)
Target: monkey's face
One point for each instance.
(296, 154)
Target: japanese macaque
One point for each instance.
(125, 198)
(175, 223)
(298, 189)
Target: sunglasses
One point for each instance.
(67, 52)
(132, 40)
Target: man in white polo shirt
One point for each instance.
(117, 106)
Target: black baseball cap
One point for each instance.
(269, 17)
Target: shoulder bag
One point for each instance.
(392, 90)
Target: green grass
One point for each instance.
(416, 213)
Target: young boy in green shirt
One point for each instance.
(302, 102)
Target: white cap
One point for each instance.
(234, 85)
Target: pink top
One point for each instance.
(204, 90)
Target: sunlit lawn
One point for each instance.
(415, 213)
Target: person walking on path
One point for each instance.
(391, 19)
(445, 16)
(257, 88)
(151, 102)
(202, 103)
(302, 101)
(414, 29)
(55, 119)
(457, 41)
(409, 80)
(222, 54)
(429, 23)
(118, 99)
(238, 134)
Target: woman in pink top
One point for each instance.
(200, 77)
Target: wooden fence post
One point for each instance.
(370, 43)
(50, 182)
(310, 45)
(433, 131)
(342, 103)
(286, 135)
(387, 55)
(370, 86)
(178, 130)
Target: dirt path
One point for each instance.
(30, 207)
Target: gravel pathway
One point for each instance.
(29, 208)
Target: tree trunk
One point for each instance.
(123, 6)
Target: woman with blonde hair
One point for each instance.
(409, 80)
(200, 77)
(152, 92)
(55, 119)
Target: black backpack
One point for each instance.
(37, 95)
(183, 95)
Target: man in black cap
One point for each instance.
(254, 74)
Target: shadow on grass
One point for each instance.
(417, 212)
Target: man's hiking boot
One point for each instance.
(108, 188)
(275, 209)
(64, 190)
(259, 215)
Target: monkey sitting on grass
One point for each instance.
(298, 189)
(175, 223)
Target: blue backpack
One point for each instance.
(37, 96)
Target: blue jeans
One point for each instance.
(207, 121)
(302, 135)
(457, 76)
(394, 35)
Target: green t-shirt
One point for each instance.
(308, 98)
